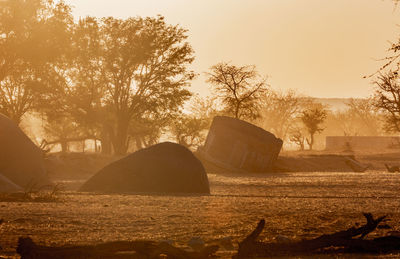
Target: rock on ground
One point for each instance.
(163, 168)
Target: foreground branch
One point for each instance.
(346, 241)
(27, 249)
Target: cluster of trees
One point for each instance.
(120, 81)
(299, 120)
(124, 83)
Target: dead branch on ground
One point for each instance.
(350, 241)
(27, 249)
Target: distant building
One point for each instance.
(233, 143)
(340, 143)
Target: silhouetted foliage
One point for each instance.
(189, 130)
(312, 119)
(145, 69)
(297, 137)
(365, 113)
(147, 131)
(239, 88)
(34, 36)
(387, 99)
(279, 112)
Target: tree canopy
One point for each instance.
(239, 88)
(34, 38)
(108, 77)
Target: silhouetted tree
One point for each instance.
(279, 112)
(145, 67)
(86, 97)
(189, 130)
(62, 130)
(126, 74)
(239, 88)
(34, 36)
(387, 99)
(366, 115)
(312, 119)
(147, 131)
(297, 137)
(345, 122)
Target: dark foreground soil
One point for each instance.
(296, 205)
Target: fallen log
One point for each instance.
(27, 249)
(350, 241)
(392, 169)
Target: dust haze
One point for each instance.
(149, 133)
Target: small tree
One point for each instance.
(366, 114)
(189, 131)
(387, 99)
(297, 137)
(279, 112)
(344, 122)
(312, 119)
(147, 131)
(239, 88)
(61, 130)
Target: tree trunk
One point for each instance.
(64, 146)
(106, 146)
(120, 138)
(237, 108)
(311, 142)
(138, 142)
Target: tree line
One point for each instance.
(124, 83)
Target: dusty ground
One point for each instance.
(297, 205)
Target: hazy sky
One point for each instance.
(321, 48)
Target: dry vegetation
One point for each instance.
(34, 193)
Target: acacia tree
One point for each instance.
(346, 121)
(387, 99)
(126, 75)
(34, 35)
(145, 68)
(312, 119)
(147, 131)
(279, 112)
(17, 94)
(85, 97)
(365, 114)
(189, 130)
(239, 89)
(297, 137)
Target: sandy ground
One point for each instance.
(297, 205)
